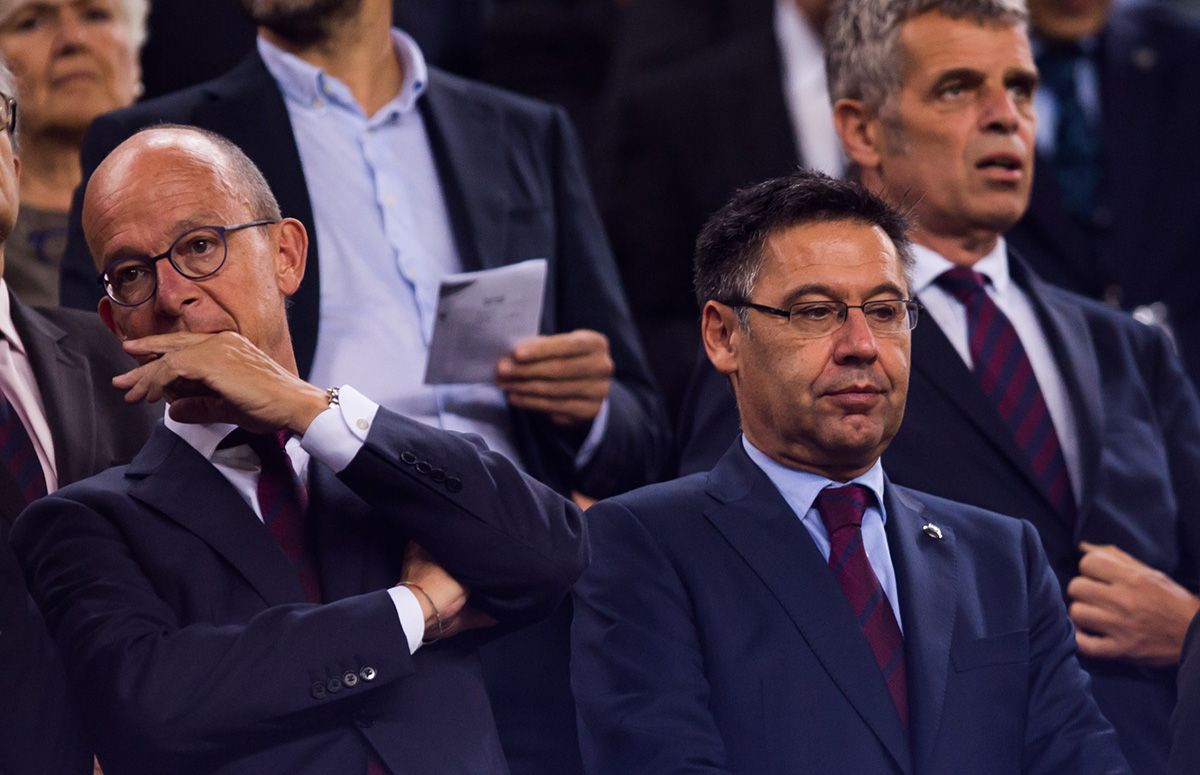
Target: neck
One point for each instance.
(358, 52)
(797, 459)
(964, 250)
(49, 170)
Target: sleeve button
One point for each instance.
(408, 458)
(423, 467)
(350, 679)
(453, 483)
(368, 673)
(318, 691)
(334, 686)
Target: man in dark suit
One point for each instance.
(218, 615)
(403, 174)
(1096, 444)
(1116, 156)
(55, 367)
(683, 137)
(793, 610)
(1185, 744)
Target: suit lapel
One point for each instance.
(942, 369)
(764, 531)
(468, 142)
(173, 479)
(247, 107)
(926, 582)
(1070, 339)
(65, 384)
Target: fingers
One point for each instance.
(573, 344)
(1088, 590)
(1106, 563)
(574, 367)
(161, 344)
(1097, 646)
(1094, 618)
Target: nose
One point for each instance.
(855, 342)
(1000, 112)
(70, 30)
(175, 292)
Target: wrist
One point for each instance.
(311, 402)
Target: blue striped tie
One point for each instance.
(1007, 378)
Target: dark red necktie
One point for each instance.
(842, 509)
(20, 458)
(281, 503)
(1007, 378)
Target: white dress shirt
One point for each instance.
(334, 438)
(801, 488)
(805, 90)
(21, 389)
(951, 318)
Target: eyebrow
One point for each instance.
(177, 229)
(819, 289)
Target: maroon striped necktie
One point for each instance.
(20, 458)
(842, 509)
(284, 514)
(281, 503)
(1006, 377)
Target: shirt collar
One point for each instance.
(202, 437)
(930, 264)
(309, 85)
(7, 329)
(801, 488)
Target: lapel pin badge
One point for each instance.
(932, 530)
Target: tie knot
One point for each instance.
(962, 282)
(264, 444)
(843, 506)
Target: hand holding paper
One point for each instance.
(566, 376)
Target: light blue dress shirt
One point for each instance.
(385, 243)
(801, 488)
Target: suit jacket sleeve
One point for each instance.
(515, 543)
(39, 727)
(1064, 730)
(634, 449)
(637, 668)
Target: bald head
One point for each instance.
(171, 151)
(189, 193)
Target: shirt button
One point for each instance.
(389, 200)
(362, 424)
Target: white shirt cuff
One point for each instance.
(411, 618)
(336, 435)
(596, 435)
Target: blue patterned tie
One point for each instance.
(1007, 378)
(19, 455)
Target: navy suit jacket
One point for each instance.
(515, 189)
(710, 637)
(1185, 721)
(1139, 433)
(40, 730)
(1139, 245)
(185, 629)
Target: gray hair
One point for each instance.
(862, 57)
(134, 13)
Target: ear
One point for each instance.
(106, 315)
(860, 132)
(292, 256)
(722, 334)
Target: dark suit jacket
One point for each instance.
(514, 188)
(711, 637)
(1185, 721)
(683, 139)
(39, 728)
(1140, 243)
(184, 625)
(1139, 432)
(74, 358)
